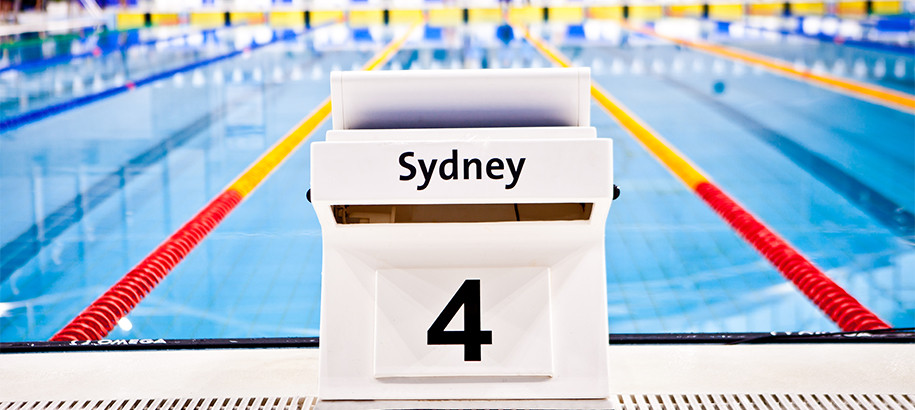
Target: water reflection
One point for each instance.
(87, 194)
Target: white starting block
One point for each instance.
(464, 262)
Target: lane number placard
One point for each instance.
(463, 322)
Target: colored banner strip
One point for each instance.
(868, 92)
(100, 317)
(839, 306)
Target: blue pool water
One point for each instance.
(87, 193)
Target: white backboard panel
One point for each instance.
(547, 97)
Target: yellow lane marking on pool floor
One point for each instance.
(868, 92)
(270, 160)
(688, 172)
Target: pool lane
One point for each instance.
(720, 118)
(674, 266)
(262, 96)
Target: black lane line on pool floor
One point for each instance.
(17, 252)
(891, 215)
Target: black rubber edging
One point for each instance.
(159, 344)
(313, 342)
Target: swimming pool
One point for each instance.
(90, 190)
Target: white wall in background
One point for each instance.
(176, 5)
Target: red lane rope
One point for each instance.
(841, 307)
(102, 315)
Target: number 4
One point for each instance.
(471, 337)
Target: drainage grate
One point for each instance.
(766, 401)
(620, 402)
(247, 403)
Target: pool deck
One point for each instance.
(793, 373)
